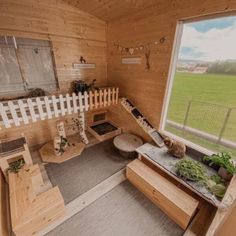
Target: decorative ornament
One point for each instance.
(131, 51)
(147, 55)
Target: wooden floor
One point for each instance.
(80, 174)
(124, 211)
(110, 208)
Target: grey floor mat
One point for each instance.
(124, 211)
(78, 175)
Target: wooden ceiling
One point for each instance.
(109, 10)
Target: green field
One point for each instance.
(209, 88)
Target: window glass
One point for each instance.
(202, 107)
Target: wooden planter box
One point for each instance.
(98, 130)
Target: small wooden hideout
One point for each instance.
(78, 73)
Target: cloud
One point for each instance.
(215, 44)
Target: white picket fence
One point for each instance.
(24, 111)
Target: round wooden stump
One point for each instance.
(127, 144)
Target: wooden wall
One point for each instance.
(4, 209)
(147, 88)
(228, 228)
(73, 33)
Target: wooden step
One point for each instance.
(31, 211)
(177, 204)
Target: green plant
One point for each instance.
(217, 179)
(218, 189)
(223, 160)
(195, 171)
(63, 143)
(191, 170)
(16, 166)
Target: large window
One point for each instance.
(202, 100)
(25, 64)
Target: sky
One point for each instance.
(209, 40)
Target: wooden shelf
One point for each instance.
(75, 149)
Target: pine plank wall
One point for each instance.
(64, 26)
(147, 88)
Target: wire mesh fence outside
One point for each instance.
(211, 118)
(209, 122)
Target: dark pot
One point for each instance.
(80, 86)
(213, 166)
(224, 174)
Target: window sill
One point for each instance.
(192, 146)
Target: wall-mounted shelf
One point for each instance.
(84, 65)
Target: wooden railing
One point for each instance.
(24, 111)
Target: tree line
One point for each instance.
(222, 67)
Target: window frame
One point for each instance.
(24, 92)
(171, 75)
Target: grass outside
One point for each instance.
(209, 88)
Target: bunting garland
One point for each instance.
(139, 48)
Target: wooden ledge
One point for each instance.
(75, 149)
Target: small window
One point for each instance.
(202, 101)
(25, 64)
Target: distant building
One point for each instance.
(199, 70)
(191, 67)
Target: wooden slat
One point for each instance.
(69, 109)
(86, 106)
(91, 105)
(100, 98)
(3, 113)
(62, 107)
(105, 99)
(13, 113)
(23, 112)
(31, 109)
(81, 106)
(96, 99)
(109, 96)
(117, 95)
(40, 108)
(48, 107)
(54, 102)
(74, 100)
(113, 95)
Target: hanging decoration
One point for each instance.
(139, 48)
(145, 48)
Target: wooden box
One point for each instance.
(177, 204)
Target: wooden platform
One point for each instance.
(30, 211)
(76, 147)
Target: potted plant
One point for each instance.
(16, 166)
(224, 162)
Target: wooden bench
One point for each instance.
(30, 210)
(177, 204)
